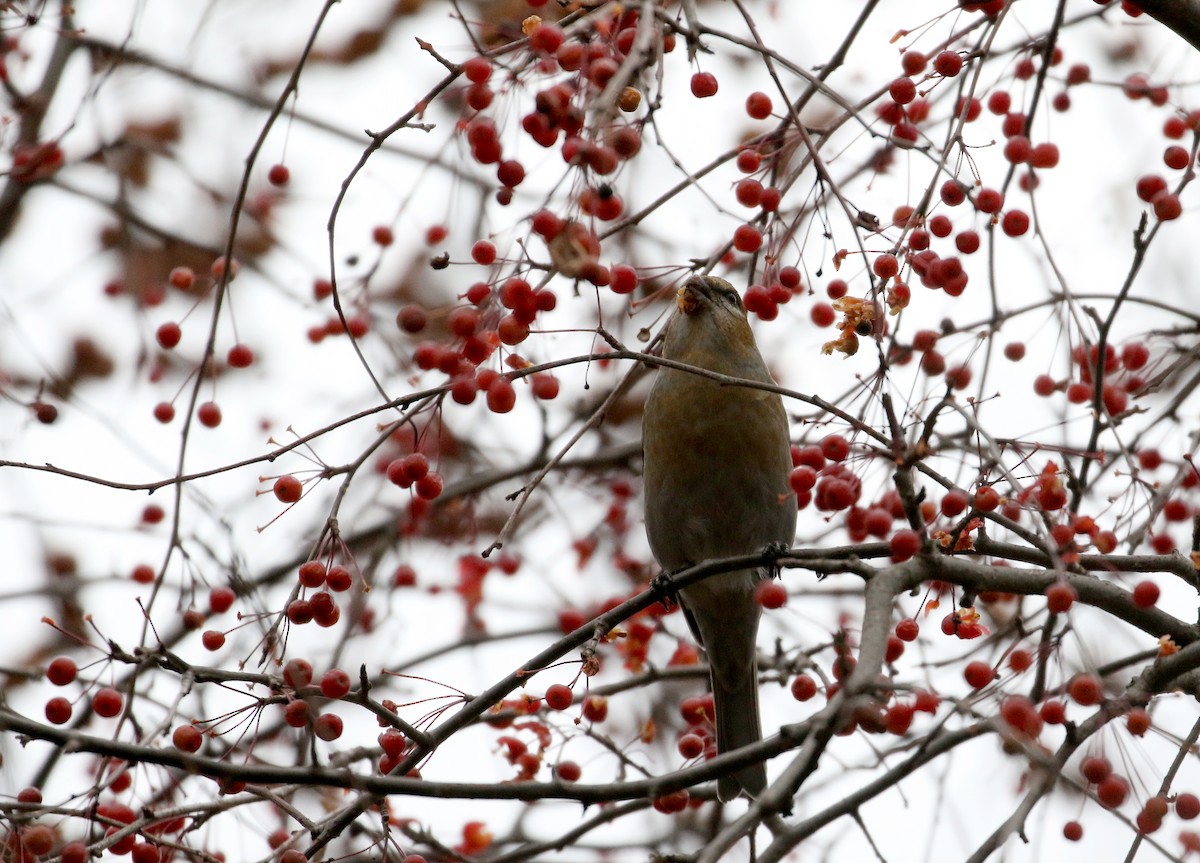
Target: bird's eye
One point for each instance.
(732, 297)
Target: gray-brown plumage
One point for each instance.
(717, 460)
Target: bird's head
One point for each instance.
(710, 329)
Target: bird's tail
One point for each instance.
(736, 711)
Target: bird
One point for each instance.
(716, 467)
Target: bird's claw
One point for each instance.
(775, 550)
(664, 585)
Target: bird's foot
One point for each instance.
(775, 550)
(664, 585)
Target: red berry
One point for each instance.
(907, 629)
(187, 738)
(501, 397)
(902, 91)
(1105, 542)
(567, 771)
(335, 683)
(1060, 596)
(58, 711)
(547, 38)
(1045, 155)
(559, 697)
(1018, 150)
(690, 746)
(1162, 543)
(1019, 713)
(429, 487)
(1150, 186)
(747, 238)
(913, 62)
(240, 356)
(1073, 831)
(770, 594)
(624, 279)
(1176, 157)
(822, 314)
(704, 84)
(1145, 594)
(510, 173)
(671, 803)
(748, 192)
(749, 161)
(886, 266)
(1176, 510)
(986, 498)
(220, 599)
(61, 671)
(803, 687)
(1187, 806)
(168, 335)
(1020, 660)
(545, 386)
(967, 242)
(835, 448)
(34, 840)
(948, 64)
(483, 253)
(411, 318)
(989, 201)
(288, 489)
(1079, 393)
(1167, 206)
(477, 69)
(927, 702)
(339, 578)
(181, 278)
(279, 175)
(1014, 124)
(297, 673)
(1133, 356)
(219, 266)
(209, 414)
(978, 674)
(953, 193)
(1079, 73)
(1015, 223)
(1137, 721)
(595, 708)
(899, 718)
(107, 702)
(758, 105)
(1053, 713)
(954, 502)
(327, 726)
(1014, 351)
(905, 135)
(903, 545)
(1085, 689)
(1152, 814)
(697, 710)
(1112, 791)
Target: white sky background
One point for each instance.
(52, 271)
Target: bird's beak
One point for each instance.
(686, 300)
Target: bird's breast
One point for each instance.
(717, 460)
